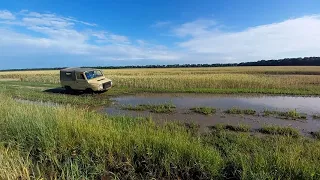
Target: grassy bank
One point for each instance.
(267, 80)
(64, 142)
(68, 143)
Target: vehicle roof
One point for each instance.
(77, 69)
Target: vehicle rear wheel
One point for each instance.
(68, 89)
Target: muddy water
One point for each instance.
(183, 102)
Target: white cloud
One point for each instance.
(46, 21)
(53, 34)
(194, 28)
(118, 38)
(291, 38)
(106, 37)
(82, 22)
(4, 14)
(141, 42)
(161, 24)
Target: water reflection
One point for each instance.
(183, 102)
(301, 104)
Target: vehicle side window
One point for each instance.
(67, 76)
(80, 76)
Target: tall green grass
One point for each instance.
(68, 143)
(72, 143)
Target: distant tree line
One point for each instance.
(306, 61)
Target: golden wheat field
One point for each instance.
(295, 78)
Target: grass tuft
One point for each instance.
(155, 108)
(239, 128)
(292, 114)
(274, 130)
(235, 110)
(204, 110)
(316, 116)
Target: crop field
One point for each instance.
(48, 134)
(270, 80)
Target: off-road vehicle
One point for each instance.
(84, 79)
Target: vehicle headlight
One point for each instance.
(100, 86)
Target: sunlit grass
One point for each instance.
(13, 165)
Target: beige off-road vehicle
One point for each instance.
(84, 79)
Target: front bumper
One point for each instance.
(105, 86)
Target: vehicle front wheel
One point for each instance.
(89, 91)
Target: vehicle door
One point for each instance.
(81, 82)
(67, 79)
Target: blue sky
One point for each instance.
(125, 32)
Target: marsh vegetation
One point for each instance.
(67, 142)
(72, 141)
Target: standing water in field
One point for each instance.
(301, 104)
(308, 106)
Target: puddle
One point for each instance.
(183, 102)
(310, 105)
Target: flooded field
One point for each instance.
(308, 106)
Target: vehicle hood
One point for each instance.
(99, 80)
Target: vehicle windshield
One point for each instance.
(93, 74)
